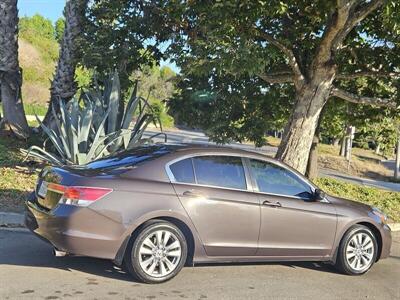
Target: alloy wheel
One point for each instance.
(160, 253)
(360, 252)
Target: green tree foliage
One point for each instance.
(157, 85)
(318, 49)
(40, 32)
(231, 107)
(59, 28)
(38, 25)
(120, 35)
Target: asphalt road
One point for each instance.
(29, 271)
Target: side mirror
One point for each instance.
(319, 195)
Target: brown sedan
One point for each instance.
(156, 208)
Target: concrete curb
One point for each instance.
(394, 226)
(16, 220)
(11, 220)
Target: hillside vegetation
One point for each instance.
(38, 53)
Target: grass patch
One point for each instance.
(15, 186)
(32, 109)
(35, 109)
(364, 162)
(273, 141)
(387, 201)
(17, 178)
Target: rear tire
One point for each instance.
(157, 253)
(357, 251)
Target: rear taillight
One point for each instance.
(79, 195)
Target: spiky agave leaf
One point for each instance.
(53, 138)
(96, 125)
(43, 155)
(62, 134)
(113, 102)
(84, 128)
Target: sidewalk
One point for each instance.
(362, 181)
(9, 219)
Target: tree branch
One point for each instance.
(368, 74)
(298, 77)
(345, 17)
(355, 18)
(364, 12)
(353, 98)
(336, 24)
(277, 77)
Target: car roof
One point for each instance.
(203, 147)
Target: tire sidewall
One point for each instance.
(134, 253)
(346, 240)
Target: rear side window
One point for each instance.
(222, 171)
(183, 171)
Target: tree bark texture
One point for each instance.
(312, 166)
(63, 87)
(10, 73)
(343, 146)
(299, 132)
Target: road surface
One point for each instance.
(29, 271)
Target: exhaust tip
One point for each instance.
(58, 253)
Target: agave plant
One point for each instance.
(94, 125)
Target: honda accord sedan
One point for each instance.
(157, 208)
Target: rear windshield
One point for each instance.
(129, 157)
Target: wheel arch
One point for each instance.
(190, 239)
(377, 234)
(371, 227)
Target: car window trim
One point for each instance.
(250, 180)
(255, 185)
(249, 185)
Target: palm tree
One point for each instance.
(10, 73)
(63, 86)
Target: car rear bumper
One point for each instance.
(75, 230)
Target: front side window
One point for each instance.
(222, 171)
(274, 179)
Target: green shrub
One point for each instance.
(387, 201)
(160, 113)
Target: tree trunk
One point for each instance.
(10, 73)
(397, 167)
(299, 132)
(378, 149)
(336, 142)
(348, 148)
(63, 87)
(312, 166)
(343, 146)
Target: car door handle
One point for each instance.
(193, 193)
(272, 204)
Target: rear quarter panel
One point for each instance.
(135, 201)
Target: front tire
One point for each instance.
(157, 253)
(357, 251)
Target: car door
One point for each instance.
(214, 191)
(292, 223)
